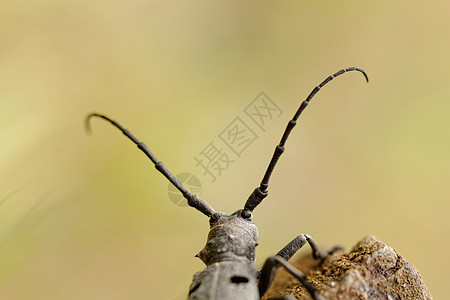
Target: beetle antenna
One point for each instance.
(193, 200)
(261, 192)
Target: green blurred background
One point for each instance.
(88, 217)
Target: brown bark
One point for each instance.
(371, 270)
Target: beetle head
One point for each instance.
(231, 237)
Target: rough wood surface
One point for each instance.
(371, 270)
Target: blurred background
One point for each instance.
(88, 217)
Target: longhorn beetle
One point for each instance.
(229, 253)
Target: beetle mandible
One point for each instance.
(229, 253)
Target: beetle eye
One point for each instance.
(246, 214)
(213, 219)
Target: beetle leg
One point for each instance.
(317, 254)
(268, 274)
(293, 246)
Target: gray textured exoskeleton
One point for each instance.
(229, 253)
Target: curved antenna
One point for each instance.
(192, 200)
(261, 192)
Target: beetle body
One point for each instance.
(228, 279)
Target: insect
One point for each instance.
(229, 253)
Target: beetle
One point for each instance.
(229, 253)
